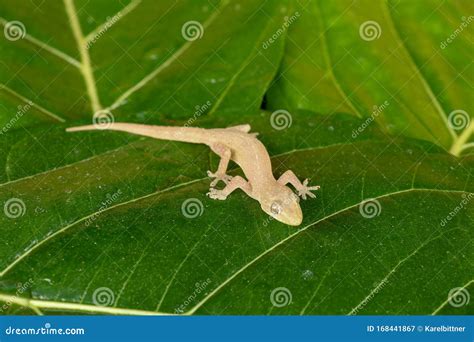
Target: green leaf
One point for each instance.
(138, 64)
(389, 61)
(105, 222)
(99, 223)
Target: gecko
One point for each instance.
(234, 143)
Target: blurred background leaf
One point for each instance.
(352, 56)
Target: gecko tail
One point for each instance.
(184, 134)
(82, 128)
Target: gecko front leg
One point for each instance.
(220, 175)
(236, 183)
(302, 188)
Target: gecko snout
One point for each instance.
(285, 209)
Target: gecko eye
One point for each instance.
(276, 208)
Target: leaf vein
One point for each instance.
(120, 100)
(47, 47)
(123, 12)
(37, 106)
(86, 67)
(416, 69)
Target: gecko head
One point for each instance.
(283, 205)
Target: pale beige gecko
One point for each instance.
(237, 144)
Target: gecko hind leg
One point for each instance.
(236, 183)
(302, 188)
(243, 128)
(220, 175)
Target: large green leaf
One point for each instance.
(410, 59)
(151, 256)
(139, 65)
(164, 77)
(97, 218)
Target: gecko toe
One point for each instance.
(216, 194)
(219, 177)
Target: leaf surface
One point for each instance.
(388, 61)
(102, 213)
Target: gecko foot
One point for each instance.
(216, 194)
(305, 190)
(218, 177)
